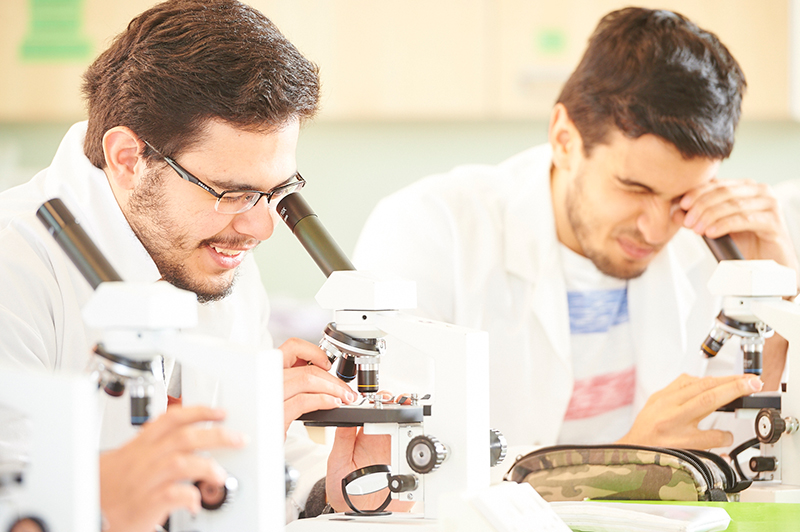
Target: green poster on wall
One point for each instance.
(55, 32)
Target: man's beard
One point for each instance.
(168, 248)
(582, 228)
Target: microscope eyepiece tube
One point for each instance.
(69, 234)
(306, 226)
(724, 248)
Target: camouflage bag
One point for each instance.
(626, 472)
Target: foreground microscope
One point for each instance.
(141, 323)
(48, 453)
(440, 437)
(753, 308)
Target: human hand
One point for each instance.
(307, 385)
(746, 210)
(145, 480)
(352, 450)
(670, 416)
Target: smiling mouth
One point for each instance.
(226, 251)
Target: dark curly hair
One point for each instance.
(654, 71)
(185, 62)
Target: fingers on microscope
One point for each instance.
(313, 380)
(715, 392)
(297, 352)
(177, 417)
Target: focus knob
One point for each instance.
(763, 463)
(213, 497)
(425, 454)
(769, 425)
(402, 483)
(498, 447)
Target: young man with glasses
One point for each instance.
(191, 88)
(582, 258)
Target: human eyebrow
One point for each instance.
(235, 186)
(635, 184)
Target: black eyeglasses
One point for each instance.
(234, 201)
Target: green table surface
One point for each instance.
(755, 516)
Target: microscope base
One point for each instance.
(769, 491)
(391, 523)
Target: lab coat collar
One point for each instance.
(85, 190)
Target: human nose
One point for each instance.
(258, 221)
(656, 222)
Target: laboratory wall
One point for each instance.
(410, 88)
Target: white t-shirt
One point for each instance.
(604, 364)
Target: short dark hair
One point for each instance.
(654, 71)
(185, 62)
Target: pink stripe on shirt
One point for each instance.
(601, 393)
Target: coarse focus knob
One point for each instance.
(28, 524)
(214, 497)
(425, 454)
(498, 447)
(769, 425)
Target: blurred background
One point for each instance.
(410, 88)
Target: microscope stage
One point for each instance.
(754, 402)
(355, 416)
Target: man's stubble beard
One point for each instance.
(581, 228)
(158, 234)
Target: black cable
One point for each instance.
(734, 454)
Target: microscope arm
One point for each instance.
(781, 315)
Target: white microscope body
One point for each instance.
(753, 293)
(454, 437)
(442, 447)
(459, 417)
(48, 452)
(143, 322)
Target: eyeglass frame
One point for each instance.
(188, 176)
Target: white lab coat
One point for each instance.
(42, 293)
(480, 242)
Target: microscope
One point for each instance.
(440, 437)
(140, 324)
(753, 308)
(48, 453)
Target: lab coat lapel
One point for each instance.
(532, 253)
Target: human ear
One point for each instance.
(564, 138)
(122, 148)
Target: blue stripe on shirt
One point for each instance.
(597, 311)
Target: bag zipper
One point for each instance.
(701, 466)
